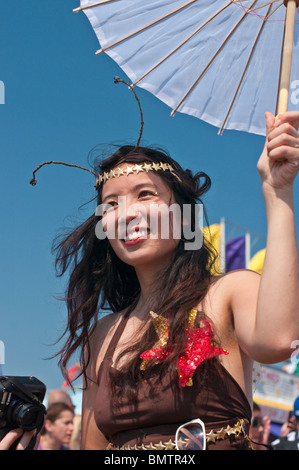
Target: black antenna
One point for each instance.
(119, 80)
(33, 180)
(116, 80)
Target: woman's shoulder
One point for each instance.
(235, 279)
(234, 285)
(104, 330)
(99, 340)
(104, 326)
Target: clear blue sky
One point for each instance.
(60, 102)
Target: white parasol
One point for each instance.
(223, 61)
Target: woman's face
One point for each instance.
(62, 427)
(140, 217)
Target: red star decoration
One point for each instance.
(199, 347)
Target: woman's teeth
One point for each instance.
(135, 235)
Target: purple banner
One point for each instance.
(235, 253)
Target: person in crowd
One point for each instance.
(58, 427)
(260, 427)
(288, 426)
(289, 439)
(60, 396)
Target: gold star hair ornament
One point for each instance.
(135, 170)
(116, 173)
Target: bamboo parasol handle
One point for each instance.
(287, 55)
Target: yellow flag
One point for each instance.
(212, 235)
(257, 261)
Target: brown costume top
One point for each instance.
(162, 406)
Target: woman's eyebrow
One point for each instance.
(110, 196)
(135, 189)
(143, 185)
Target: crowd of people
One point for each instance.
(67, 431)
(263, 439)
(62, 427)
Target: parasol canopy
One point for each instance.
(218, 60)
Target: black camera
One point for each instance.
(21, 405)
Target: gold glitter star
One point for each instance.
(239, 427)
(111, 174)
(150, 447)
(229, 430)
(183, 443)
(105, 177)
(211, 436)
(221, 434)
(156, 166)
(164, 166)
(192, 318)
(138, 168)
(161, 327)
(119, 172)
(169, 445)
(129, 170)
(147, 167)
(160, 446)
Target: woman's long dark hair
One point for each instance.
(99, 280)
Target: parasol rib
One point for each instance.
(287, 56)
(212, 60)
(262, 6)
(183, 42)
(152, 23)
(245, 69)
(92, 5)
(275, 9)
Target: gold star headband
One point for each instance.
(115, 173)
(135, 169)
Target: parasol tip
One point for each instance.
(285, 2)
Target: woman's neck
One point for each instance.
(48, 442)
(148, 277)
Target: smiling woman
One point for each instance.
(130, 217)
(178, 348)
(123, 247)
(180, 342)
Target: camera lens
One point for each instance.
(27, 416)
